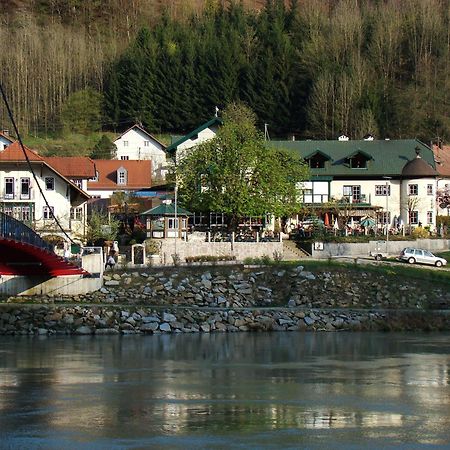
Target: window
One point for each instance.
(384, 217)
(76, 213)
(48, 212)
(413, 189)
(9, 187)
(358, 162)
(172, 223)
(125, 143)
(429, 217)
(429, 189)
(26, 214)
(413, 217)
(146, 143)
(317, 161)
(382, 189)
(124, 157)
(352, 193)
(8, 210)
(121, 176)
(96, 176)
(78, 183)
(49, 184)
(25, 188)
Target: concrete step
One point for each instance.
(291, 252)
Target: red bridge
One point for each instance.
(24, 252)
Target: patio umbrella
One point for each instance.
(367, 222)
(336, 224)
(327, 220)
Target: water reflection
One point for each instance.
(212, 390)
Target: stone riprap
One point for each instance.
(233, 299)
(99, 320)
(238, 287)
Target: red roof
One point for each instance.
(442, 158)
(72, 166)
(139, 174)
(14, 152)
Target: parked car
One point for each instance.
(418, 255)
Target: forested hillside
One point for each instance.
(315, 68)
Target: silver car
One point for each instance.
(418, 255)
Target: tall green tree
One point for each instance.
(237, 174)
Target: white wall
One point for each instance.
(137, 145)
(203, 136)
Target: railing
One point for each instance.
(14, 229)
(17, 195)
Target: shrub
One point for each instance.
(210, 258)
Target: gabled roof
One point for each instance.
(317, 152)
(14, 154)
(143, 131)
(359, 152)
(4, 136)
(165, 209)
(389, 156)
(442, 159)
(214, 121)
(139, 174)
(73, 166)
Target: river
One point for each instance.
(243, 390)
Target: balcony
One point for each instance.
(355, 199)
(17, 196)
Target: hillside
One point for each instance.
(314, 68)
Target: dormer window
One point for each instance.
(358, 160)
(96, 176)
(121, 176)
(317, 160)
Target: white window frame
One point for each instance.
(146, 143)
(11, 182)
(125, 143)
(49, 185)
(76, 213)
(46, 215)
(430, 189)
(413, 217)
(430, 217)
(124, 157)
(413, 189)
(122, 177)
(383, 190)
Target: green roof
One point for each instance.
(214, 121)
(165, 209)
(388, 157)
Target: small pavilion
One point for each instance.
(162, 222)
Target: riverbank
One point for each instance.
(230, 299)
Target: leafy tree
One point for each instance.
(104, 149)
(82, 112)
(101, 227)
(237, 174)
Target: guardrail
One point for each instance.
(11, 228)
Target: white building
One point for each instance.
(137, 144)
(201, 134)
(21, 197)
(391, 181)
(5, 140)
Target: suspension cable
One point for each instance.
(50, 209)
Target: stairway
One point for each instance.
(291, 252)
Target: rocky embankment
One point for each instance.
(234, 299)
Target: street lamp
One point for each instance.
(387, 221)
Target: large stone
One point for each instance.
(165, 327)
(83, 330)
(149, 327)
(112, 283)
(167, 317)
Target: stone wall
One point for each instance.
(100, 320)
(234, 298)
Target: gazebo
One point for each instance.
(162, 222)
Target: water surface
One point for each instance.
(243, 390)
